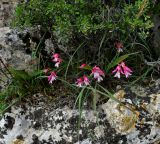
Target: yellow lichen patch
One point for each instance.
(128, 123)
(143, 106)
(18, 141)
(137, 113)
(128, 119)
(120, 94)
(121, 116)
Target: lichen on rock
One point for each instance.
(57, 122)
(121, 117)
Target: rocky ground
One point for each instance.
(44, 122)
(41, 121)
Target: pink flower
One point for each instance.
(118, 71)
(82, 81)
(98, 73)
(119, 46)
(52, 77)
(79, 82)
(122, 69)
(82, 66)
(57, 59)
(86, 80)
(127, 71)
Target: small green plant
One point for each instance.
(22, 84)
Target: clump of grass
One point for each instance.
(22, 84)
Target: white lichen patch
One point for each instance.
(139, 91)
(99, 131)
(154, 105)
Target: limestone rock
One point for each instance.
(49, 46)
(13, 50)
(120, 117)
(154, 106)
(57, 122)
(156, 40)
(13, 53)
(6, 11)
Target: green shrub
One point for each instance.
(84, 18)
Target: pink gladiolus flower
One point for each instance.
(52, 77)
(86, 80)
(98, 73)
(127, 71)
(83, 65)
(79, 82)
(57, 59)
(58, 62)
(122, 69)
(119, 46)
(82, 81)
(118, 71)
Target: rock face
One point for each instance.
(43, 122)
(13, 49)
(156, 39)
(122, 118)
(13, 53)
(55, 124)
(6, 11)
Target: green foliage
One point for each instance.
(116, 60)
(69, 19)
(23, 84)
